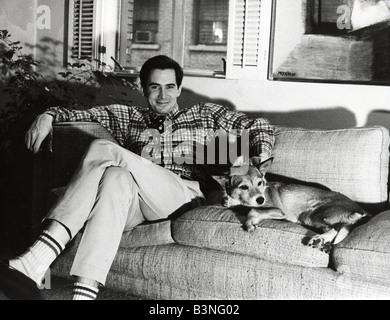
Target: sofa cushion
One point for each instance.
(216, 227)
(366, 251)
(148, 234)
(351, 161)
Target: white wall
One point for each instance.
(19, 18)
(276, 96)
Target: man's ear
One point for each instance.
(142, 90)
(179, 91)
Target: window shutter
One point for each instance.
(244, 39)
(82, 27)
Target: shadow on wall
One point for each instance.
(49, 52)
(379, 118)
(188, 98)
(332, 118)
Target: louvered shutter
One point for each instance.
(82, 27)
(244, 39)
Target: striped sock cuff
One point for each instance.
(47, 238)
(82, 291)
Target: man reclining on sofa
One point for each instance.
(114, 188)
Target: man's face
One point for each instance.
(162, 91)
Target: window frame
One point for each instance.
(258, 72)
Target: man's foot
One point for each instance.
(17, 286)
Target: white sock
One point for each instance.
(38, 258)
(82, 291)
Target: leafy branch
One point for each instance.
(26, 92)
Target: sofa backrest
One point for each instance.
(352, 161)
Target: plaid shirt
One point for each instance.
(175, 141)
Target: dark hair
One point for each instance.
(160, 62)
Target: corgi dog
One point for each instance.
(328, 212)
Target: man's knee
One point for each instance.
(118, 176)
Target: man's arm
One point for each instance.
(115, 118)
(38, 131)
(261, 132)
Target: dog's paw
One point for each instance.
(250, 228)
(250, 225)
(229, 202)
(327, 247)
(319, 242)
(225, 201)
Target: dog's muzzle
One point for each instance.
(260, 200)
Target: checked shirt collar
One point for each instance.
(157, 120)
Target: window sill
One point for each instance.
(123, 74)
(138, 46)
(204, 73)
(203, 47)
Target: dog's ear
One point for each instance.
(239, 161)
(240, 166)
(255, 160)
(263, 166)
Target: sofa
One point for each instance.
(206, 254)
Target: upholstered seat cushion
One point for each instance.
(366, 251)
(216, 227)
(352, 161)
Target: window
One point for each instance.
(212, 22)
(205, 37)
(196, 33)
(324, 16)
(342, 41)
(337, 17)
(93, 29)
(145, 23)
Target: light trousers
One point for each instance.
(112, 191)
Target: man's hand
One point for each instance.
(39, 130)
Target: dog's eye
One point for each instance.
(260, 183)
(244, 187)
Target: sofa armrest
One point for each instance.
(54, 169)
(70, 141)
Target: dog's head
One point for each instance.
(247, 184)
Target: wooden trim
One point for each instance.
(127, 6)
(178, 30)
